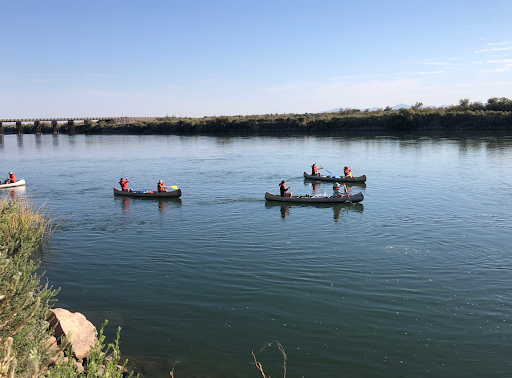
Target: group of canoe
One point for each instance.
(162, 191)
(337, 196)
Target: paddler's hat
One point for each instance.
(282, 182)
(160, 181)
(10, 173)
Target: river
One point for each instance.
(415, 281)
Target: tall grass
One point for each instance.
(25, 350)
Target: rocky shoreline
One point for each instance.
(72, 330)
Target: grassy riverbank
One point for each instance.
(26, 348)
(496, 114)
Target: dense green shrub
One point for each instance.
(25, 303)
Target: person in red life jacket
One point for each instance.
(336, 190)
(282, 188)
(124, 184)
(160, 186)
(314, 170)
(11, 179)
(347, 171)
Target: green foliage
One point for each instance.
(417, 106)
(477, 116)
(24, 304)
(103, 361)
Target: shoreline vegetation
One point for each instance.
(36, 339)
(496, 114)
(34, 343)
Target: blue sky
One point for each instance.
(198, 58)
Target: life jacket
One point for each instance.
(347, 172)
(12, 177)
(282, 186)
(123, 184)
(160, 186)
(314, 168)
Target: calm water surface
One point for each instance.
(414, 282)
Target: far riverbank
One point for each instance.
(495, 115)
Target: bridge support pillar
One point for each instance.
(71, 126)
(1, 129)
(37, 127)
(19, 128)
(55, 127)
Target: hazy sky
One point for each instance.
(195, 57)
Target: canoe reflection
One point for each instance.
(14, 192)
(162, 203)
(326, 186)
(337, 208)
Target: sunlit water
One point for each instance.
(416, 281)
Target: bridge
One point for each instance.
(71, 122)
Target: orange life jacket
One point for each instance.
(282, 185)
(12, 177)
(160, 186)
(315, 169)
(123, 184)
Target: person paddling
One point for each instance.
(124, 184)
(348, 172)
(11, 179)
(282, 188)
(314, 170)
(160, 186)
(336, 190)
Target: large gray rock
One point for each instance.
(75, 326)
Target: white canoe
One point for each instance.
(12, 185)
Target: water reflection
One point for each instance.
(338, 209)
(38, 141)
(125, 204)
(325, 187)
(1, 141)
(162, 203)
(13, 193)
(55, 140)
(20, 141)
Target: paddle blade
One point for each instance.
(174, 187)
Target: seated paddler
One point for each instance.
(160, 186)
(347, 171)
(282, 188)
(336, 190)
(11, 179)
(124, 184)
(314, 170)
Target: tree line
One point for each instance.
(467, 115)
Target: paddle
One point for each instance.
(129, 182)
(332, 174)
(348, 195)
